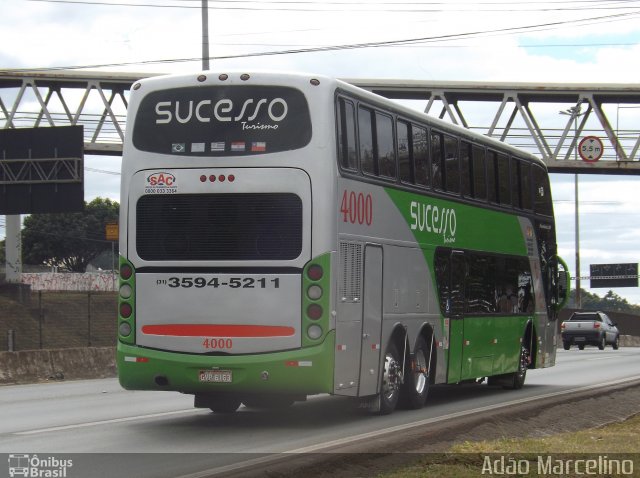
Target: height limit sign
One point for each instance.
(591, 149)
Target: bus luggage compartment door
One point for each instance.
(371, 321)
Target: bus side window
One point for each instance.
(420, 155)
(385, 146)
(479, 173)
(347, 135)
(525, 288)
(443, 278)
(437, 152)
(525, 185)
(542, 192)
(504, 180)
(480, 284)
(451, 164)
(466, 171)
(516, 189)
(405, 163)
(492, 191)
(450, 277)
(365, 138)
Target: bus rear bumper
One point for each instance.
(307, 370)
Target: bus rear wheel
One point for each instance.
(391, 380)
(416, 386)
(268, 402)
(222, 403)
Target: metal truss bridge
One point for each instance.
(550, 120)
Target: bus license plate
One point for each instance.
(216, 376)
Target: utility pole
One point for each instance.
(575, 112)
(205, 34)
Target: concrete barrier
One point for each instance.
(29, 366)
(629, 341)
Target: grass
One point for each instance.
(467, 459)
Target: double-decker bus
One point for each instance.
(285, 235)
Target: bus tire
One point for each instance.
(415, 389)
(391, 381)
(268, 402)
(224, 404)
(517, 378)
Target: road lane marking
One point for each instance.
(428, 421)
(105, 422)
(326, 446)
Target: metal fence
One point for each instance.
(48, 320)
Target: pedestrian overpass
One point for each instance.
(550, 120)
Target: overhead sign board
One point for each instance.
(614, 275)
(41, 170)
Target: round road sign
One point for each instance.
(590, 149)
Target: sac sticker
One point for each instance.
(161, 183)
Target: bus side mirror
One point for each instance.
(563, 283)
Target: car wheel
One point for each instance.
(616, 343)
(603, 343)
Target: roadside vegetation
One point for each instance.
(468, 459)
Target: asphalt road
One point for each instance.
(111, 432)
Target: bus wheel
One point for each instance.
(218, 403)
(266, 402)
(391, 380)
(517, 378)
(416, 385)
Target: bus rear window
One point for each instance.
(220, 227)
(222, 121)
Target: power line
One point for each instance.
(375, 44)
(103, 171)
(394, 7)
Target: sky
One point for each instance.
(569, 41)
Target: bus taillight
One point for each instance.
(314, 311)
(125, 310)
(314, 292)
(126, 271)
(315, 272)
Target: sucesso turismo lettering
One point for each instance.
(222, 110)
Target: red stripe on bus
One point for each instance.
(209, 330)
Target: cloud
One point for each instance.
(55, 34)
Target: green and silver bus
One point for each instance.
(285, 235)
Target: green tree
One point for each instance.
(69, 240)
